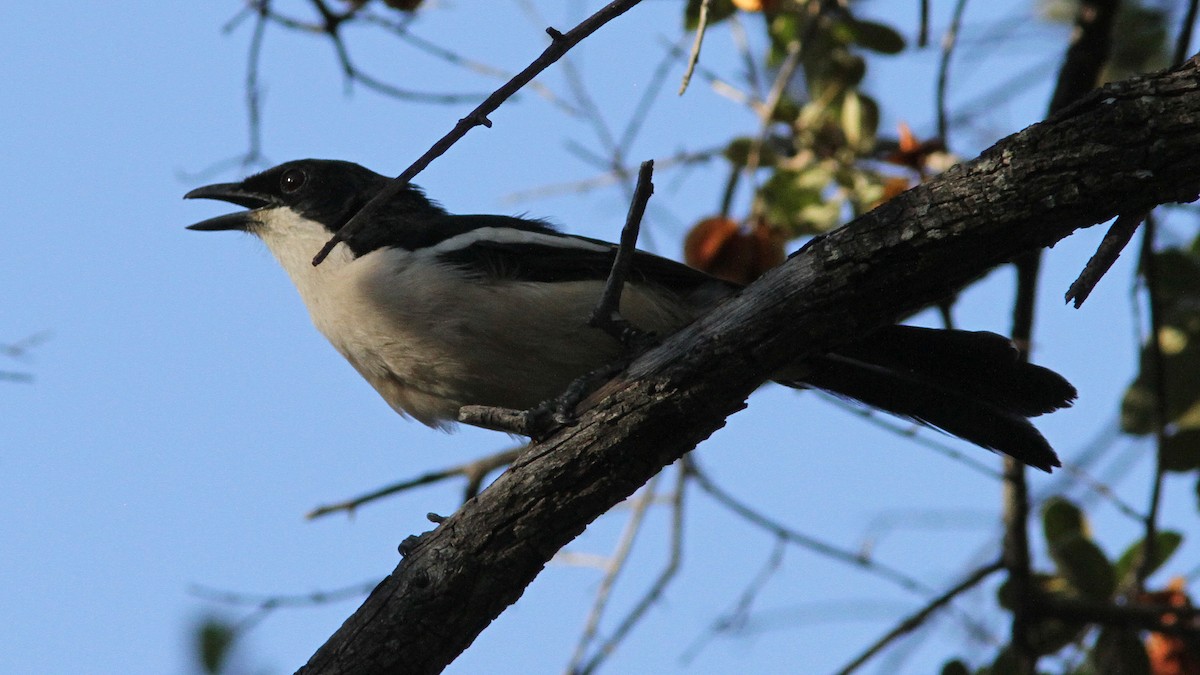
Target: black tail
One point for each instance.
(969, 384)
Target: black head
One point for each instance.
(326, 191)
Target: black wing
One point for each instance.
(540, 254)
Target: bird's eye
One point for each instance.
(292, 180)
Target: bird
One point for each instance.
(438, 311)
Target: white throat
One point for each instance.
(294, 240)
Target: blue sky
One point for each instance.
(184, 415)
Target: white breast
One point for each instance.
(430, 340)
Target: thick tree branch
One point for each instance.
(1129, 146)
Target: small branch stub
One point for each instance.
(607, 315)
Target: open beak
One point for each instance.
(233, 193)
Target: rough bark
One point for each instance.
(1127, 147)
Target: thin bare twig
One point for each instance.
(914, 621)
(738, 616)
(923, 25)
(474, 471)
(741, 42)
(913, 432)
(787, 70)
(949, 41)
(811, 543)
(897, 520)
(1114, 241)
(437, 51)
(261, 10)
(718, 84)
(591, 112)
(694, 57)
(614, 151)
(331, 27)
(1157, 376)
(559, 45)
(1015, 547)
(1183, 44)
(607, 178)
(1099, 488)
(1000, 92)
(613, 568)
(263, 605)
(263, 601)
(20, 349)
(642, 110)
(1182, 49)
(606, 315)
(1015, 542)
(253, 91)
(674, 559)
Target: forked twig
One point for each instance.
(263, 605)
(474, 471)
(811, 543)
(674, 559)
(740, 614)
(915, 620)
(613, 569)
(559, 45)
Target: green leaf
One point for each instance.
(876, 37)
(1046, 584)
(1119, 651)
(795, 201)
(1181, 451)
(1045, 636)
(783, 29)
(213, 642)
(1165, 544)
(955, 667)
(738, 152)
(860, 119)
(1139, 41)
(1079, 560)
(1179, 346)
(1177, 274)
(1062, 519)
(852, 119)
(718, 11)
(1005, 663)
(1058, 11)
(786, 111)
(839, 72)
(1048, 636)
(1085, 567)
(1177, 288)
(1138, 408)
